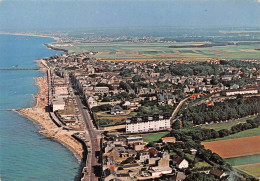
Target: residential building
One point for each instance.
(148, 123)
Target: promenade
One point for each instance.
(38, 114)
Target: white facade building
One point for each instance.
(58, 104)
(241, 91)
(183, 164)
(148, 123)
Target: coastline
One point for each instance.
(30, 34)
(49, 128)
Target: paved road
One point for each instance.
(177, 109)
(92, 135)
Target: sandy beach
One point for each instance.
(39, 115)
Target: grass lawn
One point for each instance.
(151, 137)
(226, 125)
(252, 170)
(246, 133)
(190, 156)
(201, 165)
(173, 154)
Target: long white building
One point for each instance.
(241, 91)
(148, 123)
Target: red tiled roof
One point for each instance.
(168, 138)
(153, 151)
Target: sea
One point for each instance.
(26, 155)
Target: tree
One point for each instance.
(176, 124)
(124, 86)
(224, 132)
(136, 78)
(214, 81)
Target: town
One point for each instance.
(119, 103)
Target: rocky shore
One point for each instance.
(39, 115)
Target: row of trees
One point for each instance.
(200, 134)
(240, 64)
(194, 69)
(104, 107)
(221, 111)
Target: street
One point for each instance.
(92, 135)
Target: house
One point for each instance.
(193, 151)
(92, 102)
(115, 110)
(227, 77)
(143, 156)
(179, 176)
(166, 98)
(158, 171)
(136, 139)
(181, 163)
(139, 146)
(153, 152)
(132, 105)
(58, 104)
(235, 86)
(217, 173)
(168, 140)
(131, 166)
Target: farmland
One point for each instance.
(251, 169)
(244, 160)
(162, 51)
(248, 164)
(235, 147)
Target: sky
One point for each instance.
(80, 14)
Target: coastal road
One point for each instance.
(92, 135)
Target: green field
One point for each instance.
(244, 160)
(252, 170)
(151, 137)
(114, 119)
(226, 125)
(246, 133)
(161, 51)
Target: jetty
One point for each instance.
(14, 68)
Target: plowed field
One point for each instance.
(235, 147)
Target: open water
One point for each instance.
(26, 155)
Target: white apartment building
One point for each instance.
(101, 90)
(148, 123)
(241, 91)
